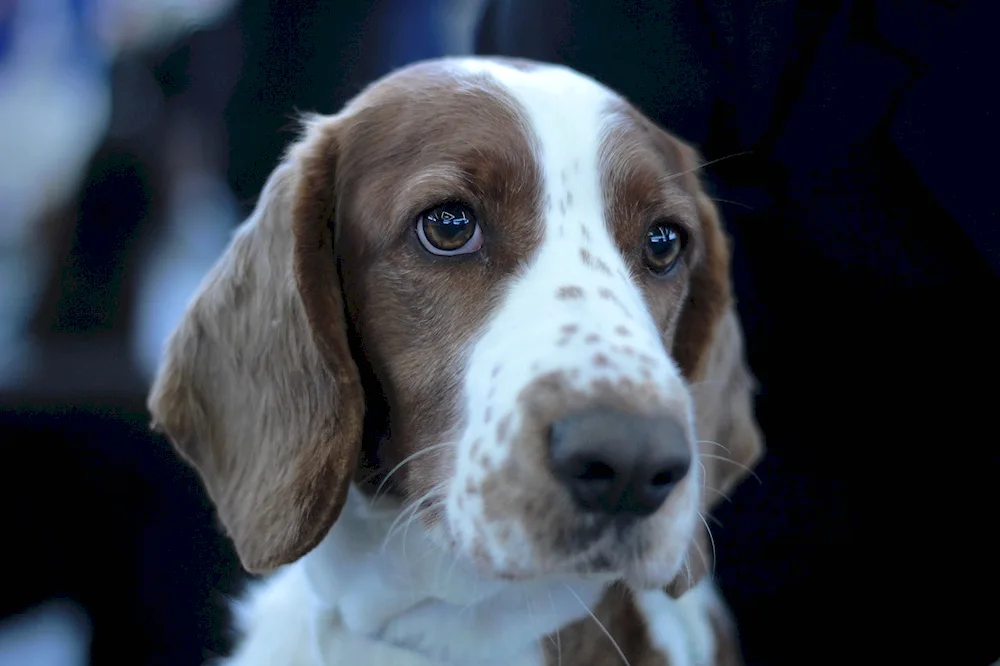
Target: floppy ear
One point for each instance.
(709, 293)
(730, 442)
(708, 347)
(257, 389)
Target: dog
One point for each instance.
(467, 381)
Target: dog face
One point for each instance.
(524, 280)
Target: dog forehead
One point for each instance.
(542, 87)
(560, 110)
(568, 113)
(526, 80)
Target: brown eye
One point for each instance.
(665, 244)
(449, 229)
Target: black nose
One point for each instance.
(617, 463)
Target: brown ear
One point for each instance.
(708, 348)
(730, 443)
(257, 389)
(709, 293)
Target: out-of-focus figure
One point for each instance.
(56, 110)
(56, 58)
(55, 104)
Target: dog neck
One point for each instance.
(389, 582)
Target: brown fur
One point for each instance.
(583, 642)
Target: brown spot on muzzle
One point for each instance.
(503, 427)
(591, 261)
(569, 292)
(609, 295)
(602, 361)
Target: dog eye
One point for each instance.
(665, 243)
(449, 229)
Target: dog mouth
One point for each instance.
(598, 536)
(604, 548)
(605, 552)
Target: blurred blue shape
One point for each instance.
(421, 29)
(201, 216)
(55, 106)
(56, 633)
(6, 29)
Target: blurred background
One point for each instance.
(858, 183)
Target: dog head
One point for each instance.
(500, 287)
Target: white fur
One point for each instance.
(359, 600)
(369, 595)
(358, 595)
(569, 116)
(681, 628)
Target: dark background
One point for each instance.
(860, 189)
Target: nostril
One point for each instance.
(669, 476)
(596, 471)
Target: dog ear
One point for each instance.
(708, 348)
(730, 441)
(709, 292)
(257, 388)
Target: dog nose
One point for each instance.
(617, 463)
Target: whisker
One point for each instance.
(405, 460)
(406, 513)
(711, 538)
(705, 487)
(601, 625)
(365, 480)
(466, 608)
(451, 569)
(704, 561)
(527, 606)
(709, 163)
(558, 637)
(738, 464)
(415, 517)
(392, 527)
(410, 513)
(719, 493)
(708, 441)
(735, 203)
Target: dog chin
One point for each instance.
(567, 574)
(638, 577)
(644, 576)
(594, 566)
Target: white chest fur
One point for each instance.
(359, 600)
